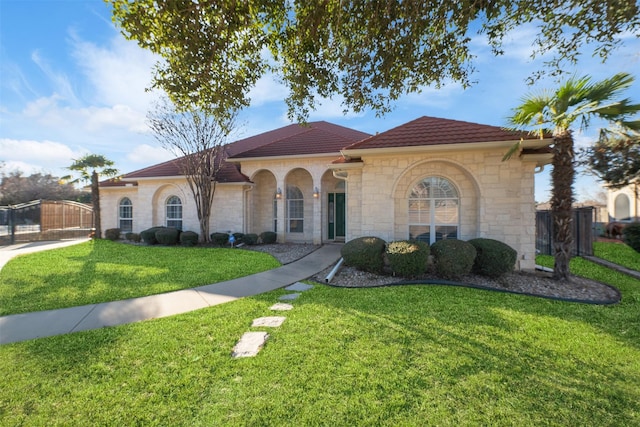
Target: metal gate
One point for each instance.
(45, 220)
(582, 232)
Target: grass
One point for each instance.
(408, 356)
(101, 270)
(619, 253)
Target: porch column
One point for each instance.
(317, 214)
(281, 212)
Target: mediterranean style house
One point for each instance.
(428, 179)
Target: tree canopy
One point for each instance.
(368, 52)
(617, 161)
(15, 188)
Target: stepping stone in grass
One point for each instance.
(299, 286)
(288, 297)
(281, 306)
(272, 322)
(250, 344)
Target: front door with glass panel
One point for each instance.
(336, 216)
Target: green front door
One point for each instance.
(336, 221)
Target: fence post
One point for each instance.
(12, 224)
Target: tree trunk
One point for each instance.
(95, 201)
(562, 178)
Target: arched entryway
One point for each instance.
(334, 211)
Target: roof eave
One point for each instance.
(464, 146)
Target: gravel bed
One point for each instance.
(530, 283)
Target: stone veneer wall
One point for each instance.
(496, 197)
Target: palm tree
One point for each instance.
(578, 99)
(90, 167)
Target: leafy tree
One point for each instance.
(17, 188)
(197, 139)
(577, 99)
(616, 162)
(90, 167)
(369, 52)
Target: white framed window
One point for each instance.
(125, 215)
(295, 210)
(434, 210)
(173, 209)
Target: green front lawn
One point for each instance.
(397, 356)
(101, 270)
(618, 253)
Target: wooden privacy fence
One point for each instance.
(45, 220)
(582, 232)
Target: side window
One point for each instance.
(434, 210)
(295, 210)
(174, 212)
(125, 215)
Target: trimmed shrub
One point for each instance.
(631, 235)
(149, 235)
(493, 258)
(408, 258)
(112, 234)
(365, 253)
(453, 258)
(134, 237)
(220, 238)
(188, 238)
(250, 239)
(268, 237)
(168, 236)
(239, 237)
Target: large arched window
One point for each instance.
(125, 215)
(434, 210)
(295, 210)
(622, 207)
(174, 212)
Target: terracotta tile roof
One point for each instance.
(315, 138)
(435, 131)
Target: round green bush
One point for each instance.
(239, 237)
(250, 239)
(631, 235)
(149, 235)
(133, 237)
(168, 236)
(365, 253)
(493, 258)
(268, 237)
(220, 238)
(453, 258)
(188, 238)
(408, 258)
(112, 234)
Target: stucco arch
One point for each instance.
(622, 207)
(159, 198)
(303, 180)
(464, 182)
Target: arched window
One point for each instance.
(125, 215)
(174, 212)
(622, 207)
(295, 210)
(434, 210)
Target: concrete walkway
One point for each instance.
(21, 327)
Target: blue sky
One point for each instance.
(70, 84)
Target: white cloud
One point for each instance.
(61, 84)
(147, 155)
(119, 73)
(267, 89)
(32, 156)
